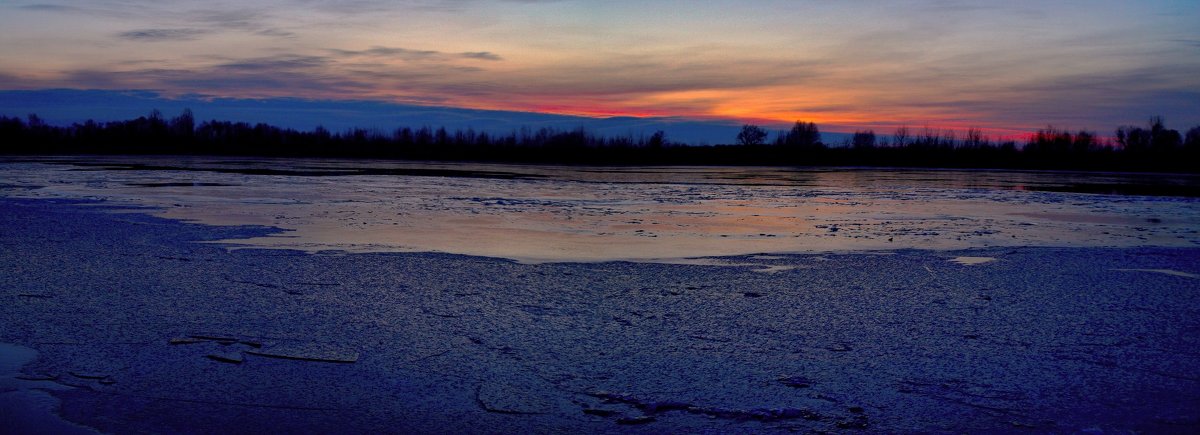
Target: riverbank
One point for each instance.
(154, 332)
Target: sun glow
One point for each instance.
(843, 67)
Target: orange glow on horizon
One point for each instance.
(829, 122)
(748, 107)
(774, 108)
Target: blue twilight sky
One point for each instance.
(693, 66)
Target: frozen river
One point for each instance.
(1079, 311)
(669, 214)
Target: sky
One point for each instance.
(1008, 68)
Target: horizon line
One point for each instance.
(882, 128)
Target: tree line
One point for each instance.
(1152, 147)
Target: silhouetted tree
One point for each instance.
(900, 136)
(1155, 137)
(35, 122)
(949, 139)
(1153, 147)
(403, 136)
(441, 137)
(1133, 139)
(184, 125)
(864, 140)
(1191, 141)
(423, 137)
(974, 139)
(321, 133)
(1083, 142)
(657, 140)
(803, 135)
(1163, 139)
(934, 139)
(1049, 141)
(751, 135)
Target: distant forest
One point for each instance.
(1152, 147)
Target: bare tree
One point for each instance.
(949, 139)
(974, 139)
(184, 124)
(900, 136)
(1163, 138)
(1156, 137)
(751, 135)
(930, 138)
(1083, 142)
(804, 135)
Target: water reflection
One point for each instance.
(543, 213)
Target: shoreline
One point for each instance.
(448, 343)
(42, 158)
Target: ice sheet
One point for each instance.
(542, 213)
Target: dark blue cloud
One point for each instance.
(65, 106)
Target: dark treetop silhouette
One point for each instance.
(1150, 148)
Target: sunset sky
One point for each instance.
(1008, 68)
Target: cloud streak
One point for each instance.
(49, 7)
(411, 54)
(158, 35)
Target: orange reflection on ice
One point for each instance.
(545, 213)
